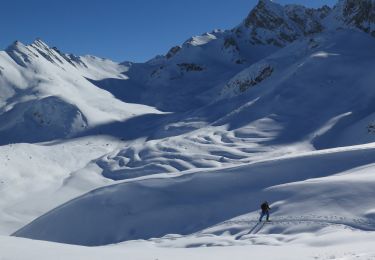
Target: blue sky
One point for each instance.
(133, 30)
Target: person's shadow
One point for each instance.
(255, 229)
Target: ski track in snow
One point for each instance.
(322, 221)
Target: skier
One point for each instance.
(265, 211)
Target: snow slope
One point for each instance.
(38, 177)
(178, 152)
(296, 85)
(326, 244)
(315, 93)
(159, 206)
(47, 95)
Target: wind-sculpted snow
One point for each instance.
(306, 96)
(200, 149)
(310, 92)
(183, 205)
(330, 242)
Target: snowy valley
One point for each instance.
(170, 159)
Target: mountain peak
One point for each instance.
(19, 46)
(267, 3)
(15, 45)
(20, 53)
(265, 14)
(39, 42)
(272, 23)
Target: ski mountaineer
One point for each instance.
(265, 211)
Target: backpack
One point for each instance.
(264, 206)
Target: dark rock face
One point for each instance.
(241, 84)
(173, 51)
(284, 23)
(230, 42)
(261, 16)
(190, 67)
(263, 74)
(307, 20)
(360, 13)
(71, 58)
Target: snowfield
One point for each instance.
(325, 244)
(170, 159)
(155, 207)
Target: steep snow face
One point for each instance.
(188, 76)
(268, 27)
(307, 76)
(178, 81)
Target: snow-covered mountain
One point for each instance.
(253, 111)
(278, 108)
(47, 94)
